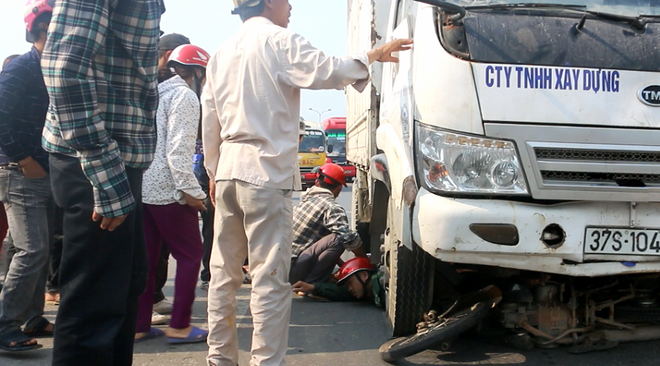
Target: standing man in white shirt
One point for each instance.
(250, 118)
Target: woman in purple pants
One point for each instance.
(172, 196)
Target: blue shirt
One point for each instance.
(23, 108)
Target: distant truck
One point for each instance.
(335, 132)
(311, 154)
(517, 143)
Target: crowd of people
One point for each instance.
(114, 139)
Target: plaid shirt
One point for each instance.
(319, 215)
(100, 67)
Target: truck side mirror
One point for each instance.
(330, 148)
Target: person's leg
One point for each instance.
(26, 202)
(207, 234)
(139, 268)
(229, 252)
(52, 285)
(315, 264)
(161, 274)
(269, 228)
(34, 313)
(102, 273)
(6, 254)
(179, 226)
(153, 242)
(4, 226)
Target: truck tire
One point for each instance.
(409, 284)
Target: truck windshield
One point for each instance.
(313, 142)
(337, 138)
(634, 8)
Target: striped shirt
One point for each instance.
(23, 107)
(100, 67)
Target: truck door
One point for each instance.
(395, 133)
(396, 102)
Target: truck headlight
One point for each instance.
(451, 162)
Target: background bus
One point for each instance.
(311, 154)
(335, 131)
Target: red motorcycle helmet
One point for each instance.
(353, 266)
(332, 174)
(33, 9)
(189, 54)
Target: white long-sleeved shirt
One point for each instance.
(171, 173)
(251, 102)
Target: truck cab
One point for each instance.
(517, 140)
(335, 132)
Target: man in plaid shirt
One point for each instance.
(100, 68)
(320, 229)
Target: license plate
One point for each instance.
(622, 241)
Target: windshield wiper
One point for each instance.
(525, 5)
(635, 22)
(459, 10)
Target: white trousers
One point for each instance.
(256, 223)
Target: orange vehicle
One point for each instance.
(335, 131)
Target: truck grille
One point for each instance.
(597, 155)
(306, 169)
(629, 180)
(586, 163)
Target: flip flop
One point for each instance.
(17, 336)
(54, 300)
(39, 329)
(196, 335)
(153, 333)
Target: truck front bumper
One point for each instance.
(441, 226)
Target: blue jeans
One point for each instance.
(27, 204)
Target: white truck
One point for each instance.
(516, 144)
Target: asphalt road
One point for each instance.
(325, 334)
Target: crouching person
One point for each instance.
(320, 229)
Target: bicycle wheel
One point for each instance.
(447, 329)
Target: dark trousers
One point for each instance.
(161, 274)
(53, 284)
(4, 226)
(207, 236)
(315, 264)
(102, 273)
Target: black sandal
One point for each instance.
(19, 339)
(39, 329)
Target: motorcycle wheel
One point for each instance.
(445, 330)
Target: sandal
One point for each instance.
(196, 335)
(153, 333)
(52, 298)
(39, 329)
(19, 339)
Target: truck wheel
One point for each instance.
(409, 282)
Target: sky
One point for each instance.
(209, 22)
